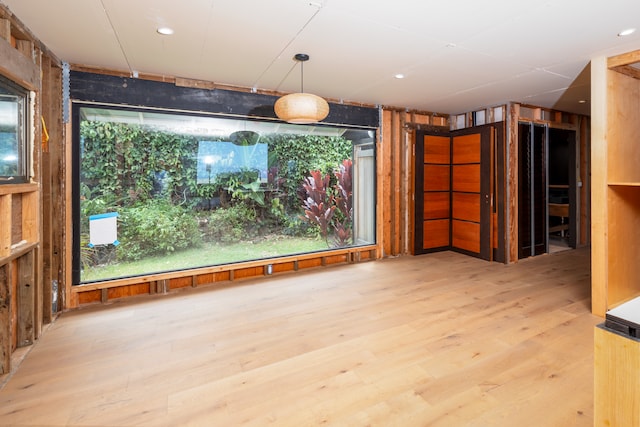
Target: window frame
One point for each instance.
(76, 119)
(23, 133)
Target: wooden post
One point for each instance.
(512, 184)
(5, 320)
(5, 219)
(5, 29)
(26, 299)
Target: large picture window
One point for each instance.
(13, 133)
(162, 191)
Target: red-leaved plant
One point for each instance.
(320, 206)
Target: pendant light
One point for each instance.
(301, 108)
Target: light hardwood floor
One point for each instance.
(435, 340)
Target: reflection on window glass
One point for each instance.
(12, 133)
(174, 191)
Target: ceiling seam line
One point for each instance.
(115, 33)
(282, 52)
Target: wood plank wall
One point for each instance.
(53, 186)
(25, 284)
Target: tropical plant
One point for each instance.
(343, 224)
(317, 202)
(330, 210)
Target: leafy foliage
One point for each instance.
(343, 225)
(155, 228)
(295, 156)
(134, 163)
(229, 225)
(149, 176)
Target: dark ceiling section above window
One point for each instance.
(137, 92)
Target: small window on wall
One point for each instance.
(13, 133)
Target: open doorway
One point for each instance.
(547, 208)
(562, 189)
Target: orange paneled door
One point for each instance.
(453, 186)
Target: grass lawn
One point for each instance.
(208, 254)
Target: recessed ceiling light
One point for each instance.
(165, 31)
(626, 32)
(399, 76)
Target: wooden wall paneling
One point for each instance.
(384, 183)
(57, 150)
(31, 215)
(501, 190)
(5, 319)
(52, 187)
(13, 282)
(16, 218)
(180, 282)
(309, 263)
(47, 237)
(203, 279)
(26, 299)
(128, 291)
(512, 183)
(223, 276)
(410, 202)
(406, 171)
(25, 47)
(397, 202)
(88, 297)
(337, 259)
(399, 186)
(5, 29)
(283, 267)
(246, 273)
(66, 193)
(6, 219)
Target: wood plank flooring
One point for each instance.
(435, 340)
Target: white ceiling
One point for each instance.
(457, 55)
